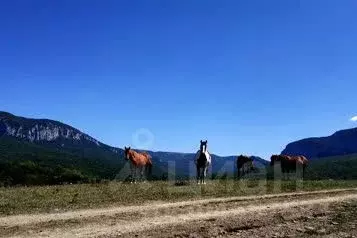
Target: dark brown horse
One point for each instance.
(139, 161)
(290, 163)
(244, 163)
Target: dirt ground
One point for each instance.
(331, 213)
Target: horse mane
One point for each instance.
(140, 153)
(243, 157)
(147, 154)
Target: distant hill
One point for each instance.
(335, 167)
(342, 142)
(44, 131)
(342, 167)
(43, 151)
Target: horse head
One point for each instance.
(242, 159)
(203, 144)
(274, 159)
(126, 152)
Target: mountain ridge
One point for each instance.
(40, 129)
(56, 146)
(37, 120)
(341, 142)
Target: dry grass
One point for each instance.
(68, 197)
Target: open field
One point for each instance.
(328, 213)
(40, 199)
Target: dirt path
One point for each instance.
(178, 219)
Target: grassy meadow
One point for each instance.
(329, 173)
(36, 199)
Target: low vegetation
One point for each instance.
(28, 164)
(16, 200)
(336, 167)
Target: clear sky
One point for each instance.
(249, 76)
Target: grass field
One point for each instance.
(20, 200)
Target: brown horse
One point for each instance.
(289, 163)
(139, 160)
(245, 164)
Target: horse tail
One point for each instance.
(149, 167)
(149, 164)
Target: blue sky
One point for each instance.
(248, 76)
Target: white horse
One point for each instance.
(202, 161)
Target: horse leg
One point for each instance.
(131, 173)
(201, 175)
(146, 170)
(198, 174)
(283, 172)
(288, 174)
(204, 175)
(135, 173)
(141, 174)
